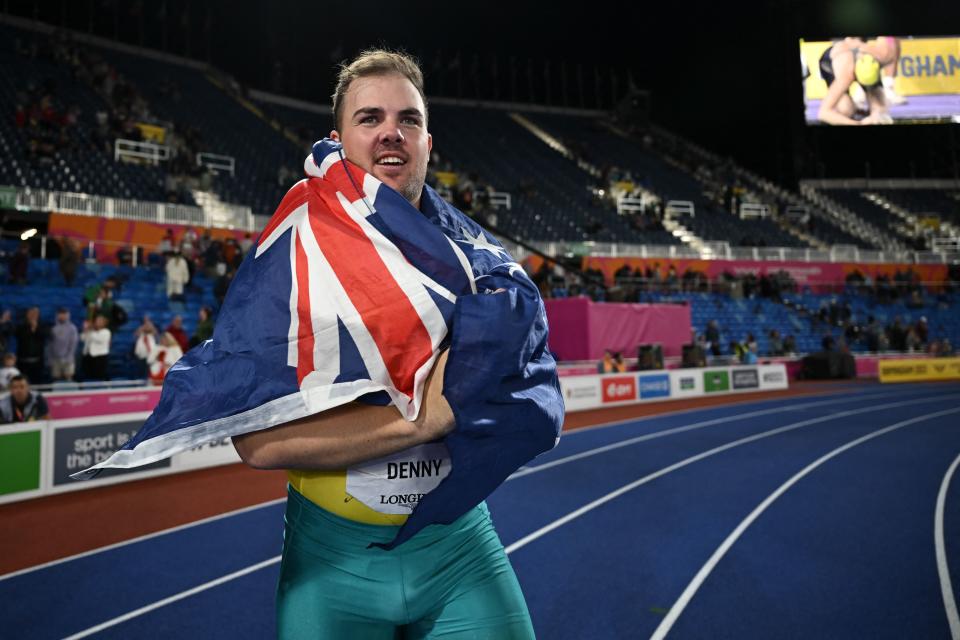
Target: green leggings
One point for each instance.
(449, 581)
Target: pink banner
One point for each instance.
(85, 404)
(581, 329)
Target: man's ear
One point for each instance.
(335, 136)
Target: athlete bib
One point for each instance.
(395, 484)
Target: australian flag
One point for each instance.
(350, 294)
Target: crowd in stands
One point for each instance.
(631, 284)
(67, 349)
(47, 117)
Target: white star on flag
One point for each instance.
(481, 242)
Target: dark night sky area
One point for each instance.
(725, 74)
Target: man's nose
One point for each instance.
(391, 133)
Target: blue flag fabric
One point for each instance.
(351, 294)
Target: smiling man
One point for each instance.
(357, 472)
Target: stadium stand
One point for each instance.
(560, 171)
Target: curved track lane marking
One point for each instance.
(946, 586)
(148, 536)
(527, 470)
(559, 522)
(174, 598)
(670, 619)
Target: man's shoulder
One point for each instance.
(450, 217)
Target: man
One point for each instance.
(22, 405)
(96, 349)
(178, 274)
(451, 580)
(175, 328)
(850, 62)
(63, 346)
(31, 345)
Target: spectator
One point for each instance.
(19, 264)
(6, 329)
(204, 327)
(188, 244)
(606, 365)
(776, 344)
(618, 364)
(176, 330)
(22, 404)
(922, 330)
(102, 305)
(31, 345)
(145, 339)
(739, 351)
(162, 357)
(222, 285)
(750, 354)
(713, 337)
(96, 349)
(63, 346)
(178, 274)
(246, 243)
(69, 259)
(165, 247)
(912, 340)
(8, 370)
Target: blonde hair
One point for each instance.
(376, 62)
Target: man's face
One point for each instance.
(63, 317)
(100, 322)
(33, 315)
(384, 132)
(19, 389)
(176, 322)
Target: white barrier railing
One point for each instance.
(151, 152)
(946, 245)
(229, 216)
(629, 205)
(679, 207)
(217, 163)
(843, 253)
(500, 200)
(754, 210)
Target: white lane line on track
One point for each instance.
(946, 586)
(174, 598)
(280, 500)
(155, 534)
(667, 623)
(667, 432)
(559, 522)
(242, 572)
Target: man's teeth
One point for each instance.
(391, 161)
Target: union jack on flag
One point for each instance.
(351, 294)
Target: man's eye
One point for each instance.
(368, 119)
(411, 121)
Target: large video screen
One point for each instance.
(881, 80)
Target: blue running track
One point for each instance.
(809, 517)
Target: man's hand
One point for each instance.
(350, 434)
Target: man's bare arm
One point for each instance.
(347, 435)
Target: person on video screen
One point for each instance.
(853, 65)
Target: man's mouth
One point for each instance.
(391, 161)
